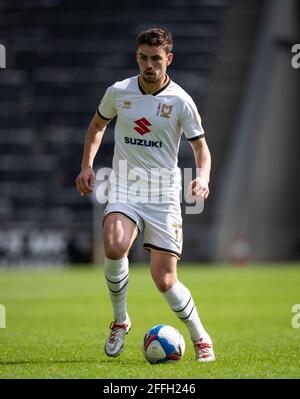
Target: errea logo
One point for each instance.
(142, 126)
(126, 104)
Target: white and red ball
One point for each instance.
(163, 343)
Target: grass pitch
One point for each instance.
(57, 322)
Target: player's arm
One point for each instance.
(86, 179)
(202, 156)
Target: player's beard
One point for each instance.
(150, 77)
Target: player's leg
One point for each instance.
(180, 300)
(119, 234)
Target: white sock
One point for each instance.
(117, 276)
(181, 302)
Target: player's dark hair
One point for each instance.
(156, 37)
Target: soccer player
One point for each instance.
(152, 112)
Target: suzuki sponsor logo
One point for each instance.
(142, 126)
(143, 143)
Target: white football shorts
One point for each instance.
(161, 224)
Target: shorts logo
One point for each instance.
(178, 233)
(142, 126)
(164, 110)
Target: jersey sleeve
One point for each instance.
(107, 109)
(190, 121)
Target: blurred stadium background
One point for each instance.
(232, 56)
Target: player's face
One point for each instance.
(153, 62)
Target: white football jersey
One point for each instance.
(149, 126)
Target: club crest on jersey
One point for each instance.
(164, 110)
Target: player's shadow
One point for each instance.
(60, 361)
(19, 362)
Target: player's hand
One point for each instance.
(199, 187)
(85, 181)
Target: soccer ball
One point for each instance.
(163, 344)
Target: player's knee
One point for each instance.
(165, 282)
(115, 249)
(115, 253)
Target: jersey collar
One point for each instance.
(156, 92)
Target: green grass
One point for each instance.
(57, 322)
